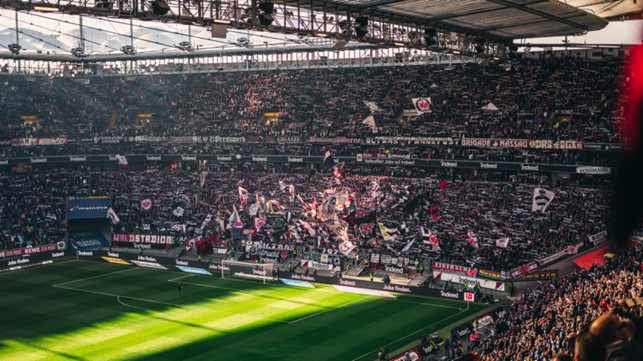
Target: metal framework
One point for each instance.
(473, 27)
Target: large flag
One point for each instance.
(203, 176)
(328, 161)
(370, 122)
(122, 161)
(234, 221)
(502, 242)
(113, 217)
(243, 197)
(541, 199)
(473, 240)
(422, 105)
(372, 106)
(490, 106)
(308, 227)
(207, 220)
(338, 170)
(430, 238)
(389, 234)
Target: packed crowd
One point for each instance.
(311, 207)
(550, 319)
(560, 98)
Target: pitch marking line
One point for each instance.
(411, 334)
(118, 299)
(89, 278)
(246, 293)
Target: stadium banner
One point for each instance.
(410, 161)
(539, 275)
(317, 265)
(604, 146)
(552, 257)
(451, 268)
(593, 170)
(194, 270)
(521, 143)
(471, 281)
(141, 238)
(32, 250)
(34, 259)
(523, 270)
(338, 140)
(411, 140)
(598, 238)
(494, 275)
(114, 260)
(87, 207)
(30, 142)
(87, 240)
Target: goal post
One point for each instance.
(258, 271)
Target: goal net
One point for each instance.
(258, 271)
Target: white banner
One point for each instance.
(471, 281)
(598, 238)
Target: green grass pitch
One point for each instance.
(84, 310)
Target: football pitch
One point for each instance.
(86, 310)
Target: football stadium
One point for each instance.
(388, 180)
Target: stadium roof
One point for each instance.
(53, 26)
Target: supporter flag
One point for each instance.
(346, 247)
(430, 238)
(261, 202)
(259, 223)
(407, 247)
(291, 190)
(338, 170)
(389, 234)
(203, 176)
(146, 204)
(234, 219)
(178, 211)
(253, 209)
(372, 106)
(490, 106)
(207, 220)
(243, 197)
(370, 122)
(308, 228)
(113, 217)
(422, 105)
(473, 240)
(274, 207)
(282, 185)
(328, 161)
(340, 229)
(541, 199)
(122, 161)
(502, 242)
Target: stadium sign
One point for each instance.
(488, 284)
(452, 268)
(30, 250)
(77, 159)
(152, 157)
(259, 159)
(593, 170)
(141, 238)
(521, 143)
(529, 167)
(339, 140)
(87, 207)
(396, 288)
(4, 162)
(598, 238)
(38, 160)
(411, 140)
(453, 295)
